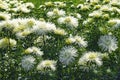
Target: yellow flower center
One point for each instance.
(67, 19)
(92, 56)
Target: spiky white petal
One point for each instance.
(67, 55)
(90, 59)
(108, 43)
(47, 65)
(70, 21)
(28, 62)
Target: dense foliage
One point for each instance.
(59, 40)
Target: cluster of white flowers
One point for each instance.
(56, 12)
(3, 4)
(95, 14)
(4, 16)
(115, 2)
(43, 66)
(16, 6)
(106, 8)
(7, 42)
(34, 50)
(100, 10)
(77, 40)
(68, 54)
(59, 34)
(115, 23)
(58, 4)
(26, 7)
(24, 27)
(83, 7)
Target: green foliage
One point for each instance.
(68, 40)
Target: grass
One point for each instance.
(38, 2)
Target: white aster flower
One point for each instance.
(90, 60)
(84, 7)
(56, 12)
(98, 6)
(40, 41)
(106, 8)
(70, 40)
(4, 16)
(34, 50)
(87, 21)
(20, 35)
(14, 9)
(47, 65)
(106, 1)
(30, 22)
(23, 34)
(78, 16)
(59, 4)
(42, 27)
(80, 41)
(115, 23)
(12, 2)
(4, 5)
(48, 4)
(115, 2)
(37, 51)
(28, 50)
(79, 5)
(93, 1)
(67, 55)
(108, 43)
(13, 42)
(70, 21)
(77, 40)
(28, 62)
(96, 14)
(25, 8)
(29, 5)
(4, 42)
(19, 28)
(60, 31)
(50, 26)
(50, 14)
(118, 10)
